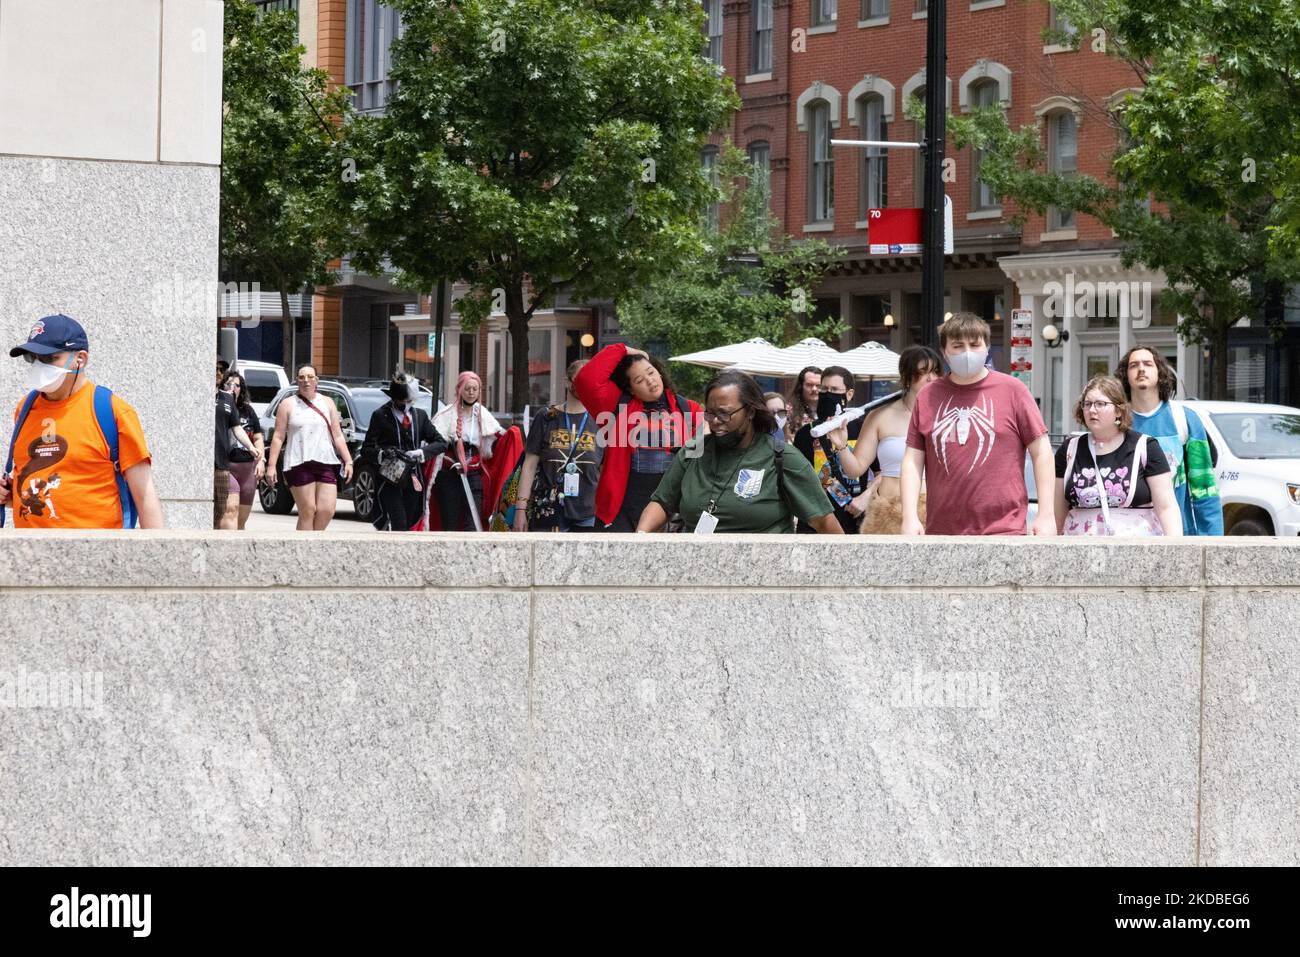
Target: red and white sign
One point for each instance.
(1022, 345)
(894, 232)
(897, 232)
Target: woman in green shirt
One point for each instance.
(727, 481)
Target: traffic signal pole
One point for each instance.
(936, 116)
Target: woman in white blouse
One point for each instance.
(307, 427)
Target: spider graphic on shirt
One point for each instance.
(959, 422)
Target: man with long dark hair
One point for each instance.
(802, 402)
(1150, 384)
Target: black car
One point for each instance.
(356, 404)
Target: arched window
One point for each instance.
(983, 94)
(918, 161)
(760, 52)
(759, 154)
(821, 166)
(709, 160)
(714, 10)
(1062, 158)
(873, 174)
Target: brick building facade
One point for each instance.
(848, 74)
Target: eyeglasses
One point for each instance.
(47, 360)
(721, 415)
(1090, 406)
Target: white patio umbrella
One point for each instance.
(870, 360)
(756, 356)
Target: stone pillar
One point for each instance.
(110, 151)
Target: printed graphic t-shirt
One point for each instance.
(552, 439)
(974, 439)
(1117, 472)
(63, 476)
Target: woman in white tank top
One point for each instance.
(307, 428)
(884, 436)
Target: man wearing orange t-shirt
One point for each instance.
(63, 474)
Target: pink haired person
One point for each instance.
(471, 431)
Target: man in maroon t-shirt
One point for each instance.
(969, 433)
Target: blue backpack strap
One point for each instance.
(13, 440)
(108, 425)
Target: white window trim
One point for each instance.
(819, 228)
(822, 28)
(993, 212)
(818, 91)
(874, 22)
(758, 77)
(981, 70)
(1058, 235)
(917, 80)
(862, 224)
(1054, 104)
(922, 15)
(1059, 48)
(871, 83)
(987, 4)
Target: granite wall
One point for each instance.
(110, 150)
(207, 698)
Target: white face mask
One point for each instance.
(44, 377)
(968, 363)
(780, 420)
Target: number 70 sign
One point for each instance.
(897, 232)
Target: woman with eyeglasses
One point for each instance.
(739, 477)
(307, 427)
(1113, 480)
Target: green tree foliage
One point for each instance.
(1204, 182)
(742, 284)
(281, 222)
(532, 145)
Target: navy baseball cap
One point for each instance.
(53, 334)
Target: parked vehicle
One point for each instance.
(356, 406)
(265, 380)
(1258, 467)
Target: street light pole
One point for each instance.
(936, 115)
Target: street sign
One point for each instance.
(897, 232)
(433, 345)
(894, 232)
(1022, 346)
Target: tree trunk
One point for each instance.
(1219, 354)
(518, 323)
(288, 325)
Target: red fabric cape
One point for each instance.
(496, 471)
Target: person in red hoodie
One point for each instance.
(642, 424)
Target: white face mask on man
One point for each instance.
(968, 363)
(44, 377)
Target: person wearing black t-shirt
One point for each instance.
(836, 394)
(1113, 480)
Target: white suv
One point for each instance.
(1258, 471)
(265, 380)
